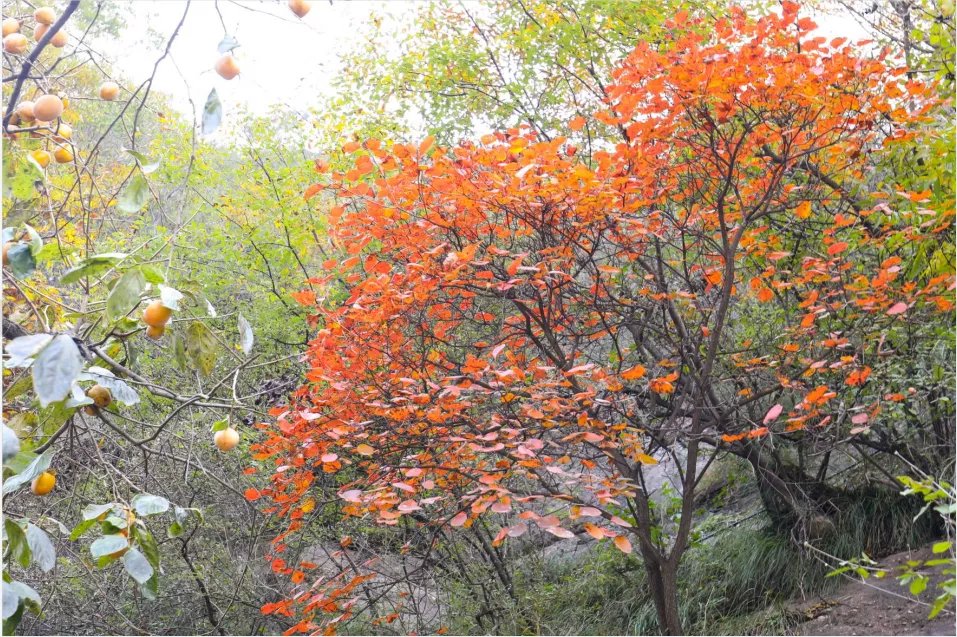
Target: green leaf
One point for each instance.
(107, 545)
(219, 425)
(175, 530)
(17, 545)
(150, 588)
(149, 547)
(10, 625)
(135, 195)
(23, 184)
(201, 348)
(940, 547)
(34, 469)
(153, 275)
(20, 461)
(137, 566)
(125, 295)
(179, 350)
(939, 605)
(212, 113)
(20, 387)
(36, 241)
(147, 504)
(143, 162)
(91, 266)
(52, 417)
(44, 555)
(55, 369)
(918, 585)
(21, 259)
(80, 529)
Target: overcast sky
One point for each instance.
(283, 59)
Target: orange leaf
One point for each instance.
(513, 266)
(594, 530)
(312, 190)
(622, 543)
(576, 123)
(837, 248)
(633, 373)
(365, 450)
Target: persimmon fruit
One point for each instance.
(227, 67)
(43, 483)
(226, 439)
(156, 314)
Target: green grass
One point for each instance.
(736, 583)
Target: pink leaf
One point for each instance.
(459, 519)
(773, 413)
(897, 308)
(408, 506)
(352, 495)
(518, 530)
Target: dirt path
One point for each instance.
(877, 607)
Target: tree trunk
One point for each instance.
(663, 580)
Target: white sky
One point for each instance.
(282, 59)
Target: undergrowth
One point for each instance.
(739, 582)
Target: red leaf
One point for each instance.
(252, 494)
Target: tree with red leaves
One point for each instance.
(518, 333)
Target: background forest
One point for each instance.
(571, 317)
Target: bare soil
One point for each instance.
(877, 606)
